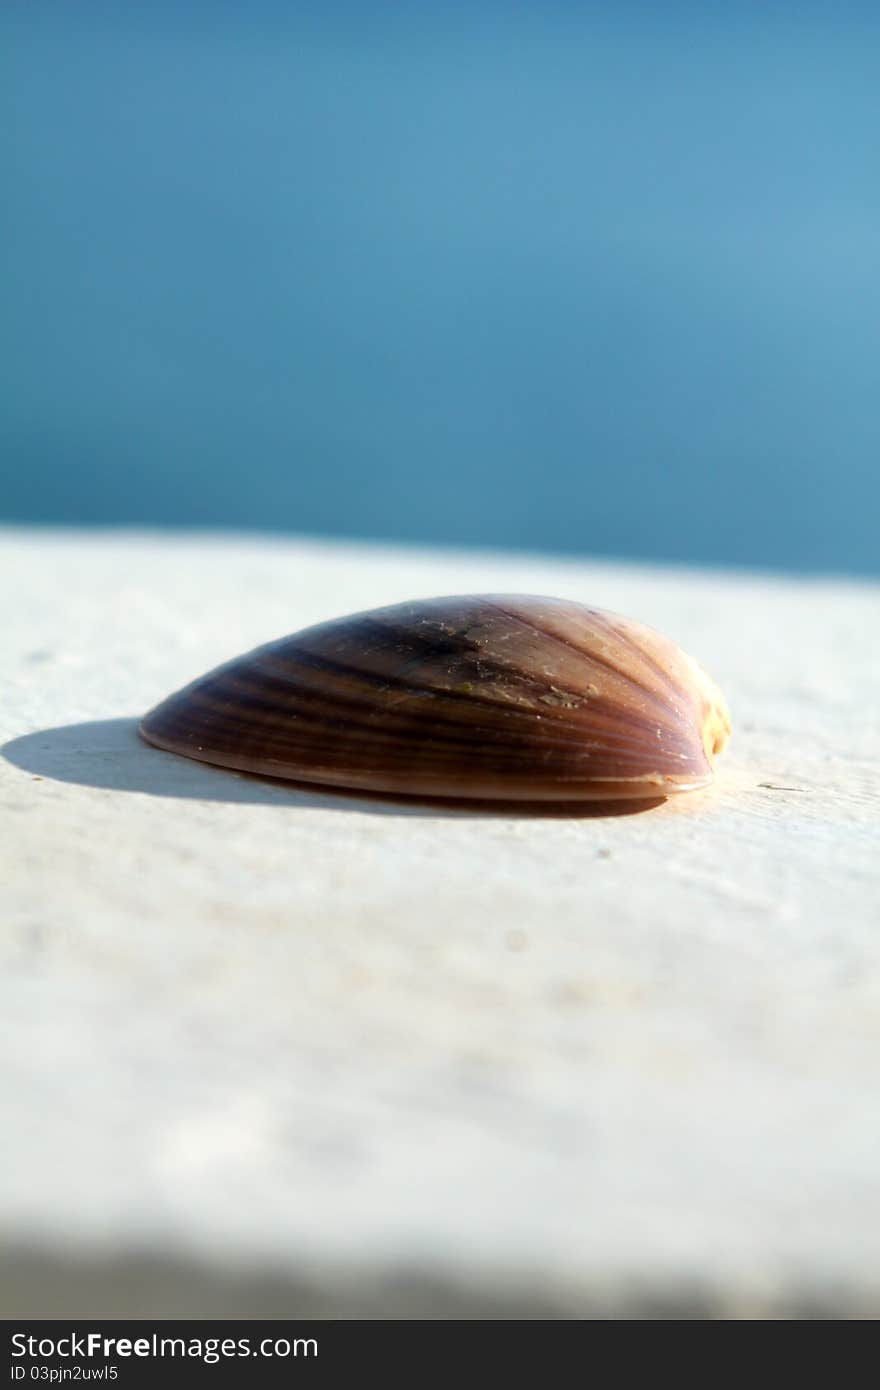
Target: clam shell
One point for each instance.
(486, 696)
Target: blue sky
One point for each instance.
(600, 279)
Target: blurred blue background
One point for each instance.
(590, 278)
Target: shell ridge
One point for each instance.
(668, 683)
(459, 733)
(558, 733)
(444, 750)
(562, 718)
(587, 657)
(582, 730)
(457, 644)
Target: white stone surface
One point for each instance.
(268, 1050)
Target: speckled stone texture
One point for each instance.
(279, 1052)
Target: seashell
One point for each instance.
(487, 696)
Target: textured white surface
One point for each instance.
(538, 1064)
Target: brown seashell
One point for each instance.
(517, 698)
